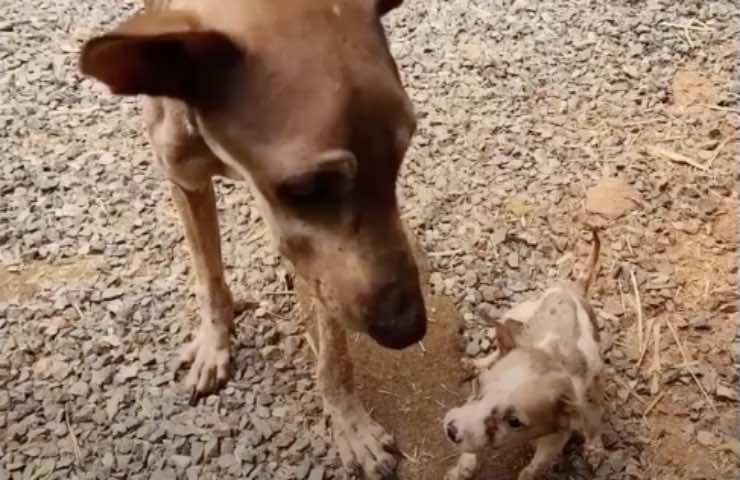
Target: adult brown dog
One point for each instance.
(303, 99)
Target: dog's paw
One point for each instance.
(465, 469)
(365, 448)
(209, 359)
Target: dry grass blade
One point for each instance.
(311, 344)
(638, 308)
(675, 157)
(652, 404)
(687, 363)
(720, 147)
(72, 436)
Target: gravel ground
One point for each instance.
(528, 111)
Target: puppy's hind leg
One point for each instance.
(364, 446)
(547, 450)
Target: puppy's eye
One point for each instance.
(514, 422)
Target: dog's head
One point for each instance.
(304, 98)
(524, 398)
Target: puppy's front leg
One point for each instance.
(465, 469)
(547, 450)
(364, 446)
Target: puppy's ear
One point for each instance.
(506, 333)
(161, 55)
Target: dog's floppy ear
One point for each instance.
(385, 6)
(161, 55)
(506, 332)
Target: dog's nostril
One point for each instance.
(452, 432)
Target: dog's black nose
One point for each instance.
(452, 432)
(398, 317)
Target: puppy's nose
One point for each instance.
(398, 316)
(452, 432)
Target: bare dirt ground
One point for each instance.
(533, 117)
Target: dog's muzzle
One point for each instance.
(398, 318)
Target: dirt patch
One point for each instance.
(20, 283)
(410, 391)
(692, 87)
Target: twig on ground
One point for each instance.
(656, 366)
(630, 390)
(687, 26)
(720, 108)
(311, 344)
(638, 308)
(718, 150)
(674, 157)
(687, 363)
(72, 436)
(445, 253)
(653, 404)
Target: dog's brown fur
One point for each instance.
(302, 99)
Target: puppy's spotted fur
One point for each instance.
(542, 384)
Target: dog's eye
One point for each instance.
(514, 422)
(315, 190)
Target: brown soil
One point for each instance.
(410, 391)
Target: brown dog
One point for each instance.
(303, 99)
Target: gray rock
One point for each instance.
(166, 474)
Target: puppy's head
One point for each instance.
(524, 397)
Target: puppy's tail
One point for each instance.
(584, 282)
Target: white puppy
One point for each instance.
(542, 384)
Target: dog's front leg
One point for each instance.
(208, 352)
(364, 446)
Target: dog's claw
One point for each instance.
(364, 446)
(194, 397)
(208, 356)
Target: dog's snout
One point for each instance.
(452, 432)
(397, 316)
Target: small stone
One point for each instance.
(80, 389)
(196, 452)
(166, 474)
(513, 260)
(211, 449)
(726, 393)
(108, 460)
(102, 376)
(180, 462)
(471, 278)
(228, 461)
(302, 470)
(317, 473)
(126, 373)
(271, 353)
(705, 438)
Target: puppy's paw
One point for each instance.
(365, 448)
(466, 468)
(209, 358)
